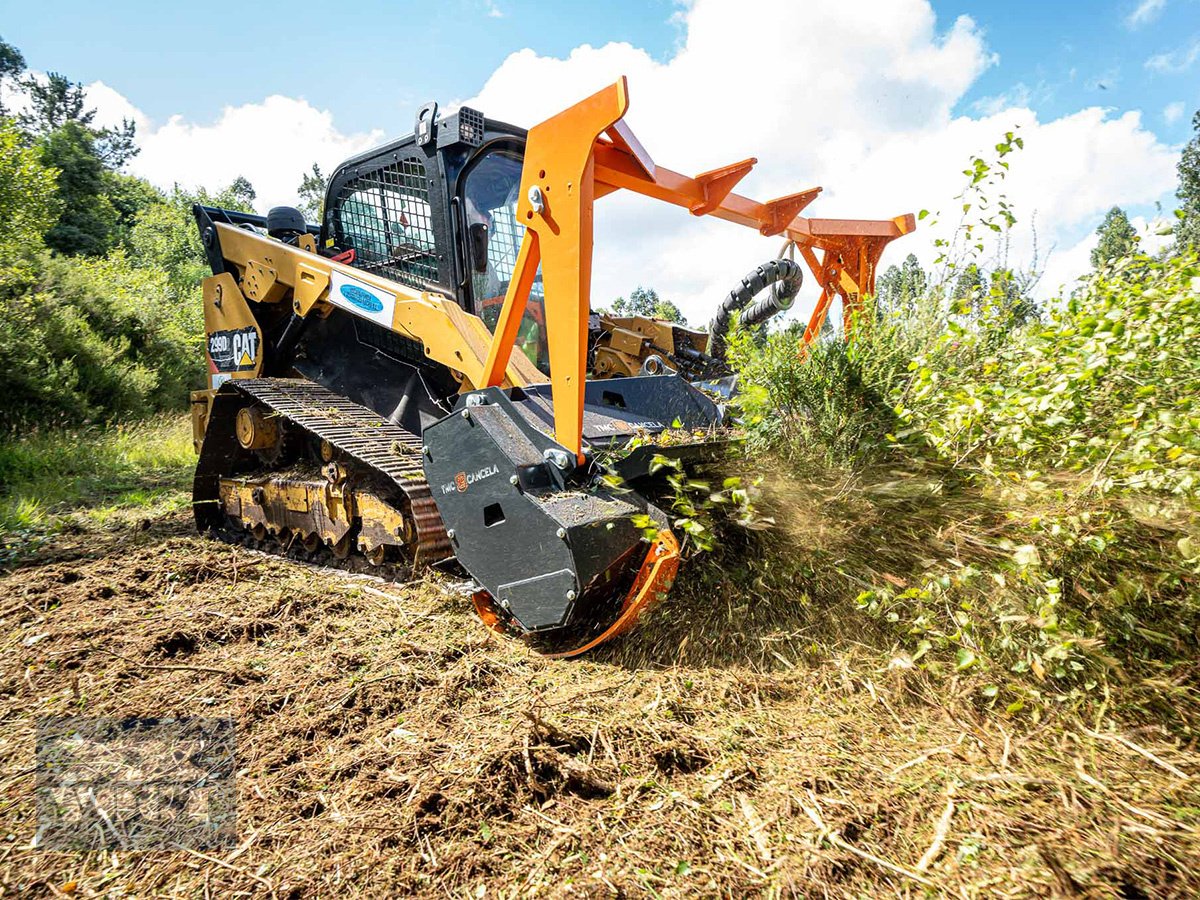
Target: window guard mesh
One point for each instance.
(384, 216)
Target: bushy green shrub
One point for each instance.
(1018, 503)
(29, 204)
(94, 339)
(1110, 379)
(833, 402)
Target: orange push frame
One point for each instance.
(588, 151)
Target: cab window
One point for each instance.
(490, 192)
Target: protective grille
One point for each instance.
(384, 216)
(387, 341)
(470, 126)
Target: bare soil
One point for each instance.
(387, 744)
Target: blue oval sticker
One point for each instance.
(363, 299)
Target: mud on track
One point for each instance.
(388, 744)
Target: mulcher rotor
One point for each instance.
(558, 551)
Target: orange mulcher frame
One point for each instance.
(588, 151)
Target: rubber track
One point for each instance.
(367, 438)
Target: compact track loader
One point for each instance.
(409, 379)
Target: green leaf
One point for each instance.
(1026, 555)
(964, 658)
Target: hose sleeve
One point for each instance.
(784, 275)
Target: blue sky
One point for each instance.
(372, 61)
(880, 101)
(365, 60)
(1070, 55)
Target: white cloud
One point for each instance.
(1144, 13)
(272, 143)
(1018, 95)
(1176, 61)
(493, 11)
(113, 108)
(879, 127)
(1173, 112)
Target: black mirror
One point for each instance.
(477, 237)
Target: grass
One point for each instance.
(390, 745)
(51, 477)
(799, 718)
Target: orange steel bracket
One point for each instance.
(588, 151)
(719, 183)
(778, 214)
(558, 183)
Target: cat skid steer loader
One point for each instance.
(420, 376)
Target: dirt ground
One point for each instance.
(387, 745)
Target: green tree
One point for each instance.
(89, 220)
(971, 283)
(900, 286)
(242, 194)
(312, 194)
(646, 302)
(99, 205)
(1011, 292)
(29, 202)
(12, 65)
(58, 101)
(164, 236)
(116, 146)
(54, 103)
(1118, 238)
(129, 195)
(1187, 229)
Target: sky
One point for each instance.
(882, 102)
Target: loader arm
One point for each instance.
(588, 151)
(268, 271)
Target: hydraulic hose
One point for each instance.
(782, 275)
